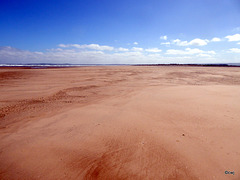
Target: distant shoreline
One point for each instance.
(40, 66)
(205, 65)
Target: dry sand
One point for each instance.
(120, 122)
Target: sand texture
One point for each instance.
(120, 122)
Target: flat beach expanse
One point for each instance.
(120, 122)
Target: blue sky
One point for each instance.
(119, 31)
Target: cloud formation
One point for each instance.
(122, 49)
(235, 37)
(215, 39)
(137, 49)
(79, 56)
(88, 46)
(163, 37)
(183, 52)
(234, 50)
(194, 42)
(154, 50)
(165, 43)
(188, 51)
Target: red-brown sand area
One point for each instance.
(120, 122)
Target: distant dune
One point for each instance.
(120, 122)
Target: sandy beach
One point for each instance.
(120, 122)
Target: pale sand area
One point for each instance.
(120, 122)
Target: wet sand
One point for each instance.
(120, 122)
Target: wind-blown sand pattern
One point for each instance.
(120, 122)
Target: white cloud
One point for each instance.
(137, 49)
(235, 37)
(234, 50)
(180, 43)
(63, 45)
(188, 51)
(98, 47)
(88, 46)
(79, 46)
(166, 43)
(154, 50)
(163, 37)
(238, 43)
(69, 45)
(194, 42)
(38, 52)
(210, 52)
(204, 55)
(198, 42)
(122, 49)
(128, 54)
(135, 43)
(215, 39)
(89, 56)
(57, 49)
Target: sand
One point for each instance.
(120, 122)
